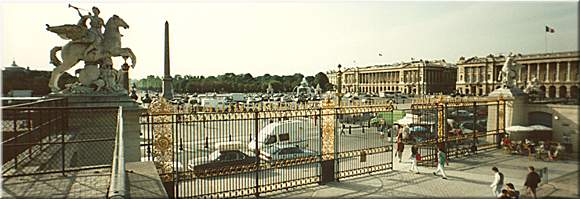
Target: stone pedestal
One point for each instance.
(124, 79)
(515, 110)
(95, 117)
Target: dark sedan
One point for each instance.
(228, 161)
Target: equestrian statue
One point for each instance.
(508, 74)
(95, 48)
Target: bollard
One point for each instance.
(543, 173)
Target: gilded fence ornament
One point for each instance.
(328, 129)
(501, 110)
(440, 118)
(162, 133)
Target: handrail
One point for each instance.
(118, 176)
(35, 102)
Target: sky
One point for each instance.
(287, 37)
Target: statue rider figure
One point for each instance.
(96, 25)
(508, 73)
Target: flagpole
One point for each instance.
(546, 41)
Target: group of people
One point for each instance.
(499, 189)
(442, 160)
(528, 147)
(509, 191)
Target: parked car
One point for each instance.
(285, 152)
(469, 127)
(461, 114)
(227, 155)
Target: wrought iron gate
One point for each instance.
(457, 126)
(363, 143)
(245, 151)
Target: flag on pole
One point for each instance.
(550, 30)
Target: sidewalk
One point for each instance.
(468, 178)
(142, 182)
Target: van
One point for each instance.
(297, 132)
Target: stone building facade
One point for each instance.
(557, 73)
(415, 77)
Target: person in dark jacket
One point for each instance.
(512, 192)
(532, 180)
(503, 194)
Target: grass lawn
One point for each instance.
(388, 117)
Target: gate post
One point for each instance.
(163, 143)
(500, 121)
(328, 152)
(257, 153)
(440, 121)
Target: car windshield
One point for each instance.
(214, 155)
(468, 126)
(291, 150)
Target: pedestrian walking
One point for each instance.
(512, 192)
(497, 184)
(400, 148)
(342, 129)
(406, 132)
(442, 161)
(503, 194)
(532, 180)
(415, 156)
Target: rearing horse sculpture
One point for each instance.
(508, 73)
(74, 51)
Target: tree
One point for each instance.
(230, 82)
(322, 79)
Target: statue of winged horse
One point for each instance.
(76, 50)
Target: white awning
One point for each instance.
(518, 129)
(538, 127)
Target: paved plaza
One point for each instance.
(468, 178)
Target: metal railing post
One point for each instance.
(175, 156)
(497, 124)
(475, 125)
(62, 142)
(257, 151)
(15, 134)
(320, 141)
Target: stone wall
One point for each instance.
(564, 120)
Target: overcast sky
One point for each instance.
(209, 38)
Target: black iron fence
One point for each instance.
(38, 138)
(459, 128)
(257, 151)
(363, 141)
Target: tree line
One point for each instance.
(34, 80)
(234, 83)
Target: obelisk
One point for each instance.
(167, 80)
